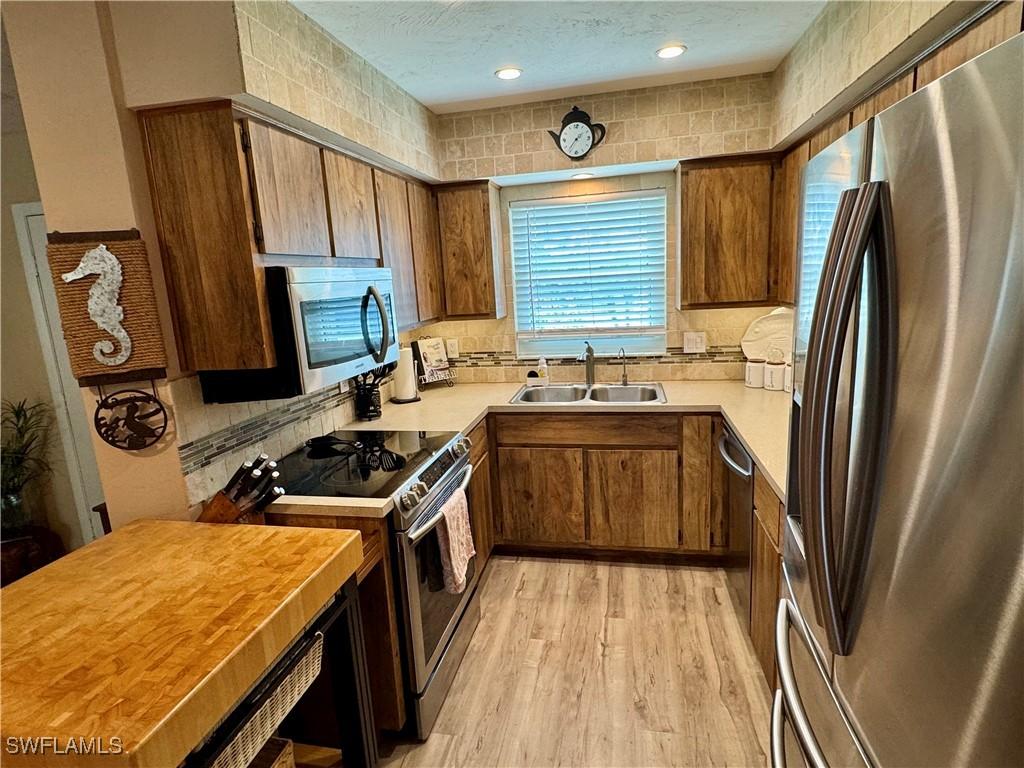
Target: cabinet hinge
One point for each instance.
(257, 231)
(245, 138)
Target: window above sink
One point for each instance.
(590, 268)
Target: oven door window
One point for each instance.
(333, 330)
(437, 606)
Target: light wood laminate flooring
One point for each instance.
(585, 663)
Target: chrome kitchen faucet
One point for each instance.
(587, 356)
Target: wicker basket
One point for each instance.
(260, 728)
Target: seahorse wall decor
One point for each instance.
(103, 305)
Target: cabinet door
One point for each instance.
(426, 251)
(481, 516)
(288, 193)
(999, 25)
(541, 495)
(633, 498)
(786, 193)
(469, 286)
(704, 509)
(725, 242)
(204, 222)
(351, 206)
(396, 243)
(765, 572)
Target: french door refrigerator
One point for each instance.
(900, 632)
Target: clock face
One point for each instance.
(576, 139)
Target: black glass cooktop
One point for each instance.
(360, 463)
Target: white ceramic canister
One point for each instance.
(755, 374)
(774, 376)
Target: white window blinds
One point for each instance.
(590, 268)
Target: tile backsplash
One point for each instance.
(213, 439)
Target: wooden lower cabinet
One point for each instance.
(765, 574)
(633, 498)
(480, 510)
(704, 514)
(542, 495)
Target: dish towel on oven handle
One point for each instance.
(455, 540)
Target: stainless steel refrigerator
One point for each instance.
(900, 632)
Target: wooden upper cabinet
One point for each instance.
(288, 192)
(542, 495)
(999, 25)
(200, 193)
(882, 99)
(473, 280)
(726, 223)
(351, 206)
(828, 134)
(786, 194)
(396, 243)
(633, 497)
(426, 252)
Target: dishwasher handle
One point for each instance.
(744, 472)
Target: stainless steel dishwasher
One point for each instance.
(740, 495)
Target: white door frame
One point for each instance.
(75, 438)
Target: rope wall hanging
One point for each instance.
(107, 306)
(111, 329)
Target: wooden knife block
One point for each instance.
(220, 509)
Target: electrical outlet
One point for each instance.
(451, 346)
(695, 341)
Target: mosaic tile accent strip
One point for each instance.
(202, 452)
(672, 356)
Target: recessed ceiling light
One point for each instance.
(508, 73)
(671, 51)
(583, 175)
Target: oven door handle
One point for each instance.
(419, 533)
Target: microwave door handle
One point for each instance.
(381, 353)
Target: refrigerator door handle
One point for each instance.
(778, 735)
(794, 708)
(870, 233)
(808, 469)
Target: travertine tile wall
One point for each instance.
(724, 327)
(668, 122)
(291, 62)
(842, 44)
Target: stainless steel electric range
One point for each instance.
(418, 472)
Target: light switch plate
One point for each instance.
(451, 346)
(695, 342)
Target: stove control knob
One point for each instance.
(410, 500)
(420, 489)
(461, 448)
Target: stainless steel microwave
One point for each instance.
(329, 324)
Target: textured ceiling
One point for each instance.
(445, 53)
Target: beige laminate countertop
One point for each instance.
(759, 418)
(152, 634)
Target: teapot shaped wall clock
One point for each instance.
(578, 135)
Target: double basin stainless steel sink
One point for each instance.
(580, 394)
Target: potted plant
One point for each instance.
(23, 454)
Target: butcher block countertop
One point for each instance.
(152, 634)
